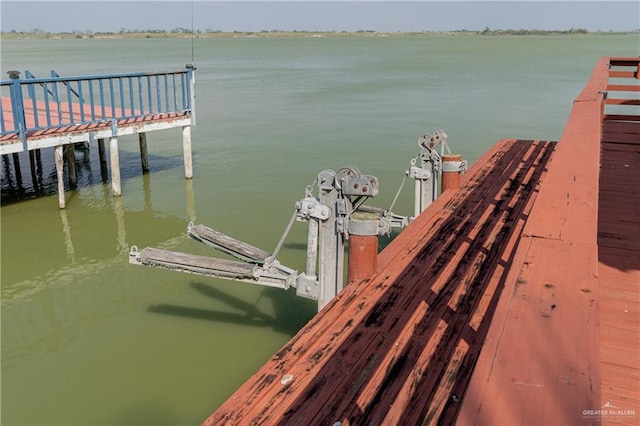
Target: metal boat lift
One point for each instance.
(331, 220)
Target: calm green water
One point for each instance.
(88, 339)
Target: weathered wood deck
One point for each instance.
(619, 263)
(511, 301)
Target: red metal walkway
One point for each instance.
(511, 301)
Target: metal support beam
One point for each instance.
(331, 243)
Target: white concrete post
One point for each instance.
(59, 160)
(115, 166)
(186, 150)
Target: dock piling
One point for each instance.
(103, 161)
(186, 150)
(115, 166)
(144, 152)
(59, 160)
(16, 167)
(71, 165)
(33, 169)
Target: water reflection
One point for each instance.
(146, 191)
(191, 200)
(118, 209)
(35, 161)
(42, 179)
(68, 242)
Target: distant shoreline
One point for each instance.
(184, 33)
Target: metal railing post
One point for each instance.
(192, 91)
(17, 107)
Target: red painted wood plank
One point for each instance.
(624, 61)
(621, 117)
(627, 378)
(621, 101)
(623, 88)
(621, 126)
(623, 74)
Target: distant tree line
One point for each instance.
(488, 31)
(181, 32)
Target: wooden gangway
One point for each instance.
(513, 300)
(59, 112)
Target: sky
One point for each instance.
(322, 15)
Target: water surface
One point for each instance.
(89, 339)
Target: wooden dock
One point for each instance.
(619, 251)
(59, 112)
(513, 300)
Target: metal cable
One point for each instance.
(404, 179)
(284, 235)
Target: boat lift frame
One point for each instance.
(330, 223)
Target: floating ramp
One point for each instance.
(227, 244)
(192, 263)
(256, 266)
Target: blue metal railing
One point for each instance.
(70, 101)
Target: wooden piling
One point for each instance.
(16, 168)
(59, 160)
(144, 153)
(71, 165)
(34, 169)
(115, 166)
(103, 161)
(186, 150)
